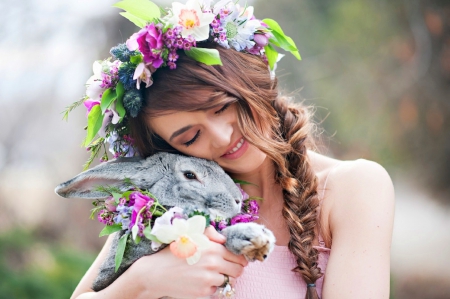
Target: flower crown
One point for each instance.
(115, 91)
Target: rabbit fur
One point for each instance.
(164, 175)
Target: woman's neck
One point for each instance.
(263, 185)
(262, 180)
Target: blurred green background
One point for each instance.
(377, 73)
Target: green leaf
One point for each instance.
(142, 9)
(256, 198)
(283, 42)
(71, 107)
(95, 120)
(206, 56)
(282, 38)
(135, 20)
(295, 53)
(136, 59)
(116, 196)
(109, 229)
(272, 55)
(243, 182)
(120, 91)
(120, 250)
(151, 237)
(108, 97)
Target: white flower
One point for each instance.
(186, 237)
(111, 116)
(94, 90)
(192, 19)
(239, 25)
(165, 219)
(142, 74)
(272, 72)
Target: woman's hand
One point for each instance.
(167, 275)
(163, 274)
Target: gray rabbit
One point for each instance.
(186, 182)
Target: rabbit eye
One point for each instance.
(190, 175)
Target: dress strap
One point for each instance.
(326, 180)
(321, 241)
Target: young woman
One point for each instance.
(332, 219)
(234, 115)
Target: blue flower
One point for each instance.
(126, 73)
(122, 53)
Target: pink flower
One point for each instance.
(253, 207)
(222, 224)
(149, 41)
(110, 204)
(261, 40)
(89, 103)
(140, 201)
(244, 218)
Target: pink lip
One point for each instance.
(239, 152)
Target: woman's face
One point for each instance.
(211, 134)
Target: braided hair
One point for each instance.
(280, 129)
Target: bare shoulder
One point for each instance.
(360, 194)
(356, 182)
(360, 201)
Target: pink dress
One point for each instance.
(274, 278)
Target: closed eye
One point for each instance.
(224, 107)
(193, 139)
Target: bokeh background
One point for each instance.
(377, 72)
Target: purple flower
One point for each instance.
(243, 218)
(261, 39)
(173, 56)
(149, 41)
(140, 201)
(89, 103)
(255, 50)
(105, 217)
(253, 207)
(179, 43)
(222, 224)
(172, 65)
(215, 23)
(110, 204)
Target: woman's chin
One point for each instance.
(250, 162)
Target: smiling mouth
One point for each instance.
(237, 147)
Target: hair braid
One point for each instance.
(301, 201)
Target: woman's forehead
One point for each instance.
(172, 121)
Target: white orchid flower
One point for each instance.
(142, 74)
(192, 19)
(165, 219)
(94, 90)
(186, 237)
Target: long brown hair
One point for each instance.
(267, 120)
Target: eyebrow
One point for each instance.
(179, 132)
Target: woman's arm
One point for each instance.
(361, 222)
(163, 274)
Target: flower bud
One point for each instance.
(261, 40)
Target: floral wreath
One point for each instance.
(138, 214)
(115, 91)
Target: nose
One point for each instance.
(221, 134)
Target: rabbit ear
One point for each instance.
(111, 173)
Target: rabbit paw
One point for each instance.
(252, 240)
